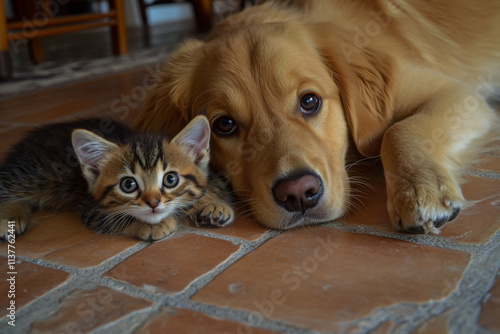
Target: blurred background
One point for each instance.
(52, 42)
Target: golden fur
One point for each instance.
(406, 80)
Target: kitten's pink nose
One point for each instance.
(153, 204)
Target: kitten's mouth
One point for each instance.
(157, 211)
(152, 216)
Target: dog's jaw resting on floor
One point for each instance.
(287, 85)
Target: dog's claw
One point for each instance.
(455, 213)
(432, 226)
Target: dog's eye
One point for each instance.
(224, 125)
(309, 104)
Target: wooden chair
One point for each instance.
(202, 11)
(41, 22)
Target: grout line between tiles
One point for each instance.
(479, 278)
(195, 285)
(36, 310)
(475, 283)
(484, 174)
(232, 239)
(424, 240)
(91, 272)
(246, 319)
(80, 277)
(136, 317)
(88, 278)
(182, 299)
(93, 276)
(201, 281)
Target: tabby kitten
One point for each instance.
(117, 182)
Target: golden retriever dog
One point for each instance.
(290, 86)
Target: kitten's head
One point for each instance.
(149, 177)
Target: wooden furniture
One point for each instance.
(39, 21)
(202, 11)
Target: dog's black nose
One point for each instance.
(298, 192)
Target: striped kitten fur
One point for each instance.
(118, 182)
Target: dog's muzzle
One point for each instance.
(298, 191)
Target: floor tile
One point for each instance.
(318, 277)
(491, 308)
(479, 222)
(493, 148)
(121, 94)
(170, 265)
(62, 239)
(489, 164)
(369, 200)
(31, 282)
(188, 322)
(85, 310)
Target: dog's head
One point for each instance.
(282, 100)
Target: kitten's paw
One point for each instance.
(218, 214)
(14, 218)
(214, 214)
(10, 227)
(214, 207)
(150, 232)
(163, 229)
(424, 202)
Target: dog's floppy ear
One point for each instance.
(365, 80)
(166, 108)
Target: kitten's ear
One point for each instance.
(195, 138)
(90, 148)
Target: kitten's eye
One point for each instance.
(128, 185)
(309, 104)
(170, 180)
(224, 125)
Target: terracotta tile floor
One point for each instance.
(355, 275)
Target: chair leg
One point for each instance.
(203, 14)
(144, 16)
(119, 30)
(35, 44)
(5, 61)
(36, 50)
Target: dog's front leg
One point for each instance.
(425, 154)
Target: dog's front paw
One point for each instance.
(423, 201)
